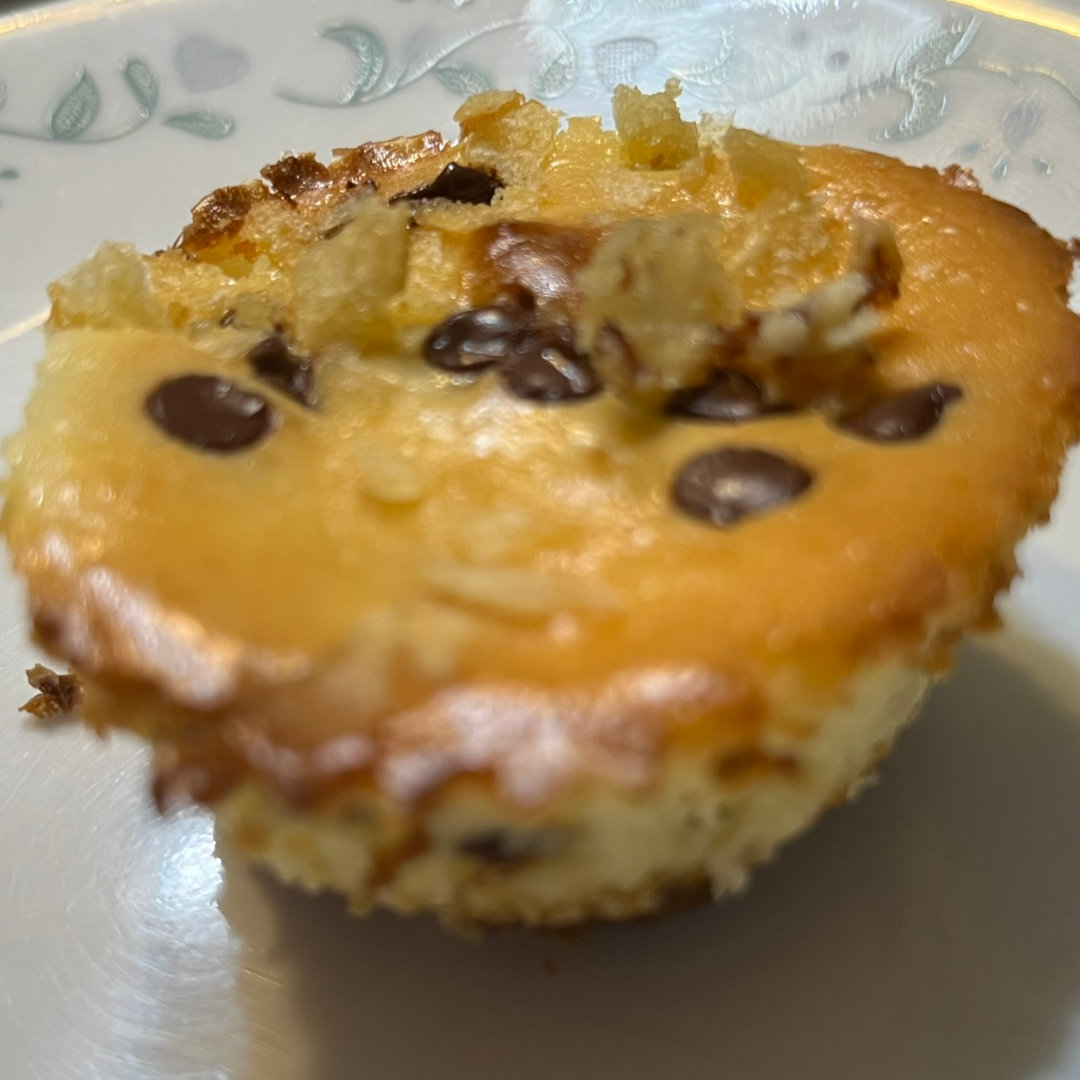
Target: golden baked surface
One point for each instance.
(367, 564)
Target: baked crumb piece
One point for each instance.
(652, 133)
(57, 695)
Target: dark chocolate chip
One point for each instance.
(546, 367)
(475, 339)
(536, 357)
(210, 413)
(901, 417)
(274, 362)
(458, 183)
(495, 847)
(725, 485)
(728, 397)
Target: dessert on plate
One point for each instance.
(545, 525)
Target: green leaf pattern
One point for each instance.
(370, 58)
(914, 73)
(77, 109)
(715, 71)
(557, 69)
(143, 85)
(205, 123)
(562, 54)
(462, 79)
(621, 60)
(73, 118)
(579, 11)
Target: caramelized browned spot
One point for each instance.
(962, 177)
(375, 160)
(57, 695)
(296, 174)
(726, 485)
(878, 259)
(545, 259)
(221, 213)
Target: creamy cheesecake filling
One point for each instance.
(595, 853)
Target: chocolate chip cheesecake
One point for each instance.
(540, 526)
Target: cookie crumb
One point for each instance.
(57, 695)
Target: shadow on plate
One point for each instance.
(929, 931)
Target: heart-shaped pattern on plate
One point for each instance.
(204, 64)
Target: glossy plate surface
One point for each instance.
(930, 932)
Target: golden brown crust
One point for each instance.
(220, 214)
(302, 180)
(528, 742)
(297, 174)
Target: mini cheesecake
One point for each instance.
(546, 525)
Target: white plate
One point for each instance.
(931, 932)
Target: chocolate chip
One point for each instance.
(725, 485)
(494, 847)
(536, 357)
(210, 413)
(274, 362)
(728, 397)
(545, 366)
(504, 847)
(458, 183)
(475, 339)
(910, 414)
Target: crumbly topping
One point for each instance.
(112, 288)
(652, 133)
(57, 695)
(343, 285)
(661, 285)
